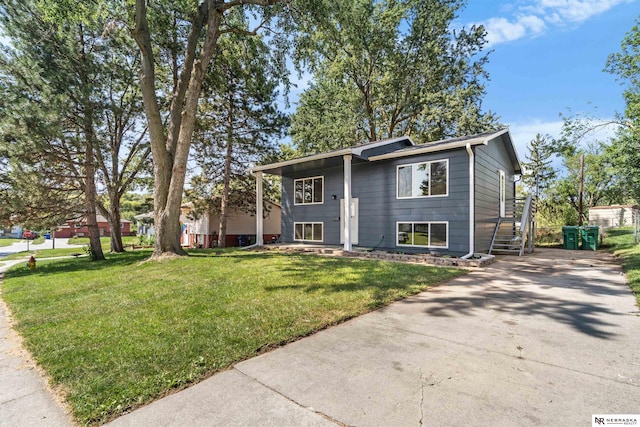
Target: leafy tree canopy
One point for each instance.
(388, 68)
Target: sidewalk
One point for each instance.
(22, 246)
(25, 399)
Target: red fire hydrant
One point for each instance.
(32, 263)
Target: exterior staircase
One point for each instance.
(514, 233)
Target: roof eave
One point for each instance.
(429, 149)
(320, 156)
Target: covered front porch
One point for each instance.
(333, 159)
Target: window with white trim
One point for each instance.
(307, 231)
(423, 234)
(308, 191)
(427, 179)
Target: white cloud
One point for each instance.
(500, 30)
(534, 17)
(523, 133)
(576, 10)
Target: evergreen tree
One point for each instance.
(538, 172)
(71, 103)
(237, 122)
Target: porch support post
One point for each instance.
(347, 202)
(259, 213)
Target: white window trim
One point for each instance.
(312, 178)
(398, 196)
(422, 222)
(306, 240)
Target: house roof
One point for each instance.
(331, 158)
(99, 219)
(395, 148)
(147, 215)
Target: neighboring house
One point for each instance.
(241, 227)
(613, 216)
(144, 224)
(444, 197)
(78, 228)
(14, 232)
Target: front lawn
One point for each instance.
(46, 253)
(117, 334)
(80, 245)
(621, 242)
(106, 241)
(7, 241)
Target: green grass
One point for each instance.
(46, 253)
(621, 243)
(8, 242)
(79, 243)
(117, 334)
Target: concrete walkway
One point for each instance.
(548, 339)
(25, 399)
(22, 246)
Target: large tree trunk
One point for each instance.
(113, 218)
(171, 151)
(95, 245)
(90, 195)
(114, 225)
(224, 204)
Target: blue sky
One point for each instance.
(548, 56)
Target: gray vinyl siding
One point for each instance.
(489, 160)
(374, 185)
(328, 212)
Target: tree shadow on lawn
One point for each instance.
(387, 281)
(535, 291)
(236, 253)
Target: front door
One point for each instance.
(354, 221)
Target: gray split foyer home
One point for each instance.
(446, 197)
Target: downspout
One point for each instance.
(472, 203)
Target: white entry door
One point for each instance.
(354, 221)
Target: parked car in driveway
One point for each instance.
(28, 234)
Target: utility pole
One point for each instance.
(580, 190)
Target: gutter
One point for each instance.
(440, 146)
(472, 202)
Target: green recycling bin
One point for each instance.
(571, 237)
(589, 238)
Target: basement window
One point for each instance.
(308, 231)
(423, 234)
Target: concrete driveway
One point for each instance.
(548, 339)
